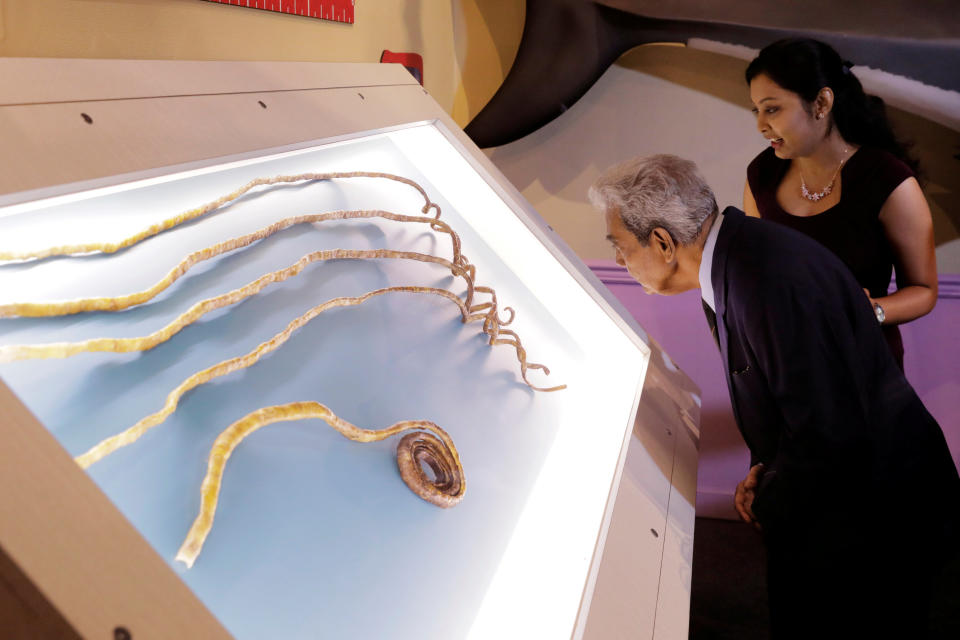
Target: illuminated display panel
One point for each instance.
(315, 534)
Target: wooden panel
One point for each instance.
(642, 588)
(61, 142)
(72, 80)
(25, 613)
(76, 548)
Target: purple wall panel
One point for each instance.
(932, 359)
(932, 365)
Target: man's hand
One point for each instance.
(746, 492)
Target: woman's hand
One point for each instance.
(746, 492)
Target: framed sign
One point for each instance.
(335, 10)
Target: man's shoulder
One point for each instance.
(768, 237)
(762, 254)
(755, 238)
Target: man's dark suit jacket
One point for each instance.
(818, 398)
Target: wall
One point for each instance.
(467, 45)
(921, 19)
(660, 99)
(693, 103)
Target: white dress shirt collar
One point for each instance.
(706, 263)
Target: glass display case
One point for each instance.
(316, 535)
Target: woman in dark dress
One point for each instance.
(835, 171)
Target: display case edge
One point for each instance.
(545, 233)
(115, 578)
(80, 554)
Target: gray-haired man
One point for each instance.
(851, 479)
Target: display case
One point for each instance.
(251, 235)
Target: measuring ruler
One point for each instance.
(335, 10)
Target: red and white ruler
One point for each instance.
(336, 10)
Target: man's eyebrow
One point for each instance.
(761, 100)
(611, 238)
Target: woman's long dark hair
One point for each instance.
(804, 66)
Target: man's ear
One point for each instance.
(664, 244)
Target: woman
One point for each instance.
(835, 171)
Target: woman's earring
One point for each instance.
(820, 116)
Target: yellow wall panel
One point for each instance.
(467, 45)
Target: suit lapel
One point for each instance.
(711, 320)
(732, 221)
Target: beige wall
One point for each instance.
(693, 103)
(467, 45)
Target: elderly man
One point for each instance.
(851, 481)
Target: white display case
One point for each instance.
(578, 514)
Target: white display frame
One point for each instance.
(685, 397)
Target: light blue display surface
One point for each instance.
(315, 535)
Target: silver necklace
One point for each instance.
(814, 196)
